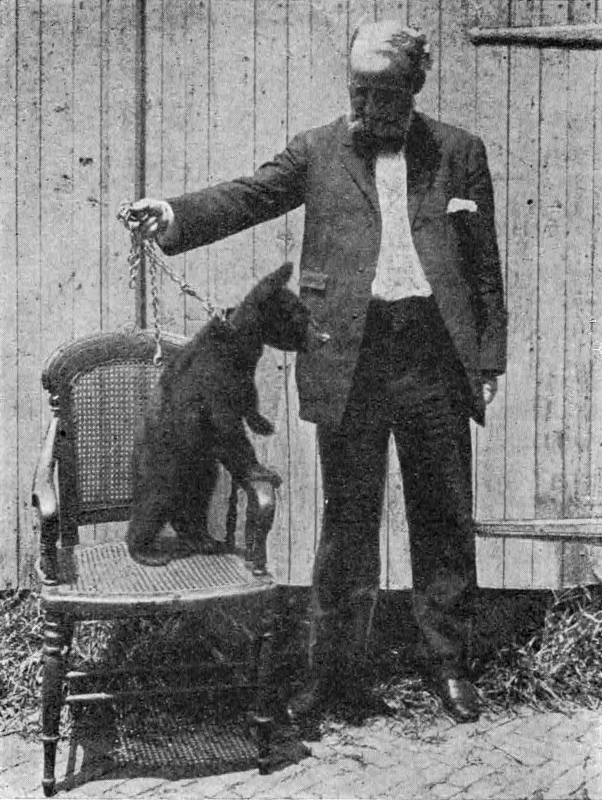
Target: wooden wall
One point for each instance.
(227, 83)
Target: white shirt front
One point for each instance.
(399, 273)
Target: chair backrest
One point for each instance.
(100, 387)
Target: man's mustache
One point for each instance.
(358, 125)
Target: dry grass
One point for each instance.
(558, 667)
(21, 630)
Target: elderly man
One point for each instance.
(400, 264)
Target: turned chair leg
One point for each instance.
(263, 718)
(264, 727)
(57, 637)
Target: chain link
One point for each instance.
(155, 303)
(139, 247)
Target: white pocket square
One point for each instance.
(457, 204)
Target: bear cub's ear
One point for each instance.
(284, 272)
(277, 279)
(267, 286)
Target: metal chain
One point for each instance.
(140, 246)
(155, 302)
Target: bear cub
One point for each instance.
(196, 419)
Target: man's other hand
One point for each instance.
(489, 389)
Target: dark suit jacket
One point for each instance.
(333, 176)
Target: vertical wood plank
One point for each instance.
(117, 136)
(88, 198)
(393, 9)
(154, 102)
(577, 563)
(522, 289)
(581, 286)
(9, 358)
(269, 125)
(173, 147)
(231, 120)
(156, 56)
(490, 562)
(328, 43)
(549, 412)
(596, 360)
(196, 164)
(361, 11)
(522, 276)
(29, 247)
(58, 276)
(492, 125)
(457, 58)
(518, 563)
(547, 565)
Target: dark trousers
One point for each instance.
(409, 382)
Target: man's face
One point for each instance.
(382, 110)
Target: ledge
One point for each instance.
(542, 36)
(583, 530)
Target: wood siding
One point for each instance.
(227, 83)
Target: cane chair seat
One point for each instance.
(105, 574)
(100, 388)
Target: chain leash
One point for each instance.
(140, 246)
(155, 303)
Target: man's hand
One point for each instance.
(152, 218)
(489, 389)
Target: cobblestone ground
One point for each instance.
(526, 755)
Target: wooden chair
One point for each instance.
(99, 387)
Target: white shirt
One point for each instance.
(399, 273)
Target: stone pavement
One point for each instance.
(524, 755)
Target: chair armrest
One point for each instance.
(46, 506)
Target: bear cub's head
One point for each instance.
(271, 314)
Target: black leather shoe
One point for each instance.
(460, 699)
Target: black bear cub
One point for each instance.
(196, 421)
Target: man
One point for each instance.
(400, 263)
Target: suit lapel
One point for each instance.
(423, 157)
(359, 164)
